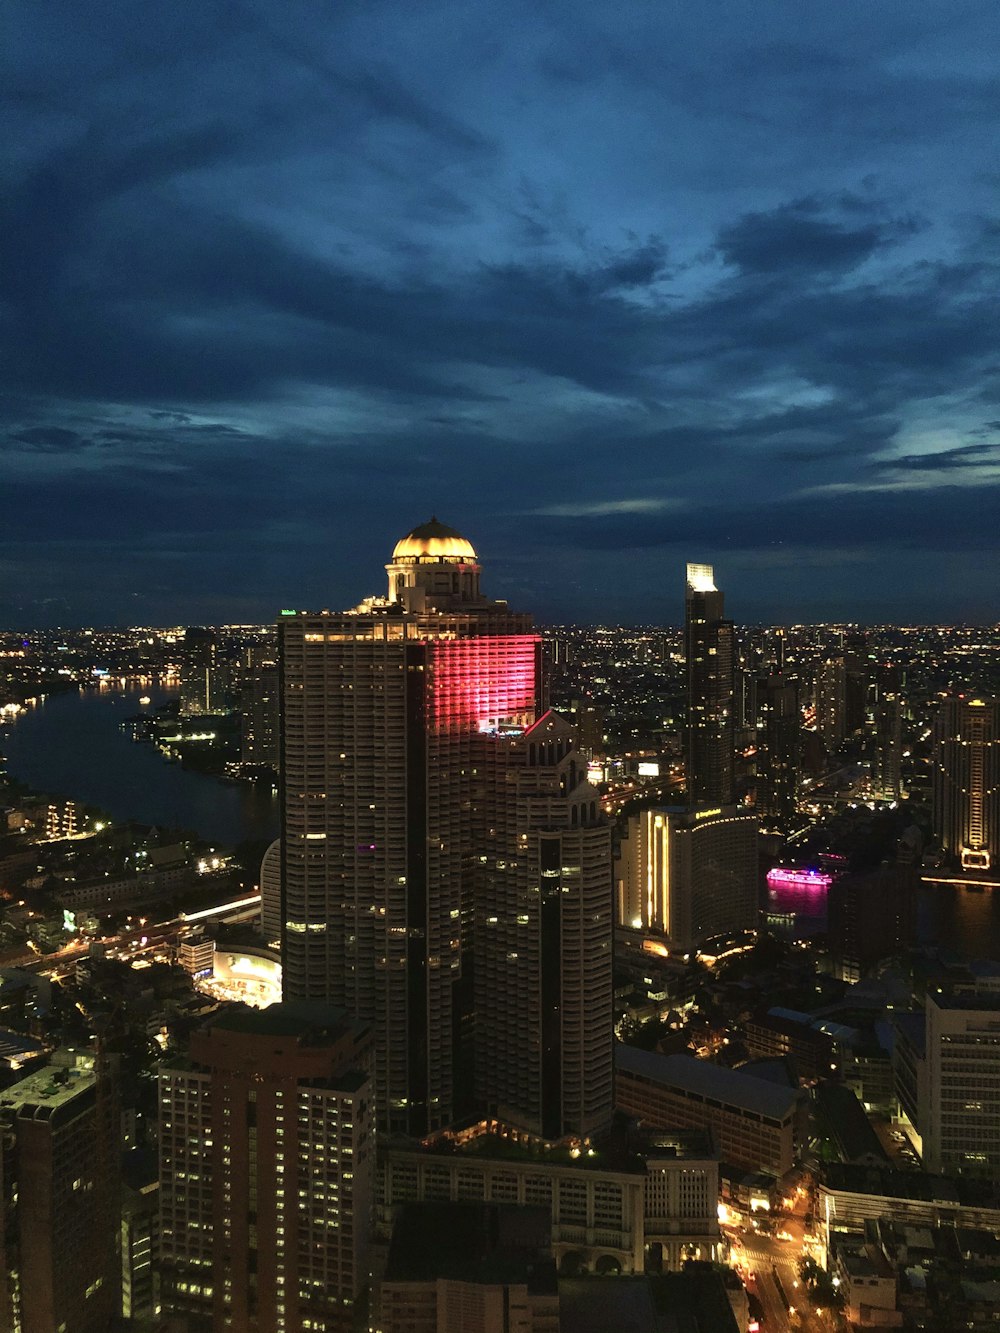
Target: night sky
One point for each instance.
(608, 287)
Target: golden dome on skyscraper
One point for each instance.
(433, 541)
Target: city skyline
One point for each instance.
(605, 292)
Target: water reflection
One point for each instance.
(72, 745)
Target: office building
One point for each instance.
(478, 1267)
(947, 1068)
(966, 781)
(199, 692)
(872, 916)
(758, 1125)
(270, 893)
(393, 717)
(708, 643)
(688, 874)
(544, 954)
(656, 1213)
(831, 701)
(266, 1171)
(887, 781)
(596, 1212)
(140, 1233)
(777, 759)
(259, 709)
(59, 1199)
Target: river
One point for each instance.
(72, 745)
(961, 918)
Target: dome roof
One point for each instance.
(435, 541)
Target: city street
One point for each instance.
(773, 1259)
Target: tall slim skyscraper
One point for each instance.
(777, 752)
(831, 701)
(710, 736)
(199, 685)
(966, 776)
(393, 718)
(544, 941)
(259, 709)
(888, 757)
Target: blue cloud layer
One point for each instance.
(603, 289)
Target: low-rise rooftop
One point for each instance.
(702, 1079)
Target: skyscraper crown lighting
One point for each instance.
(433, 541)
(701, 578)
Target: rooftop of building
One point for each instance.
(845, 1118)
(687, 1145)
(49, 1088)
(436, 541)
(473, 1242)
(985, 1292)
(309, 1021)
(693, 1301)
(502, 1147)
(918, 1186)
(968, 1001)
(691, 1075)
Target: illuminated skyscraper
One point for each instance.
(887, 767)
(544, 940)
(688, 874)
(709, 751)
(259, 710)
(966, 773)
(199, 686)
(266, 1171)
(393, 715)
(831, 702)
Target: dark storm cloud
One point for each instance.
(305, 270)
(965, 456)
(799, 237)
(46, 440)
(919, 520)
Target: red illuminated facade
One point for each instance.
(393, 718)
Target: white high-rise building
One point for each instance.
(947, 1066)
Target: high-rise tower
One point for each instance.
(266, 1171)
(966, 771)
(710, 660)
(393, 715)
(887, 766)
(777, 752)
(199, 667)
(544, 941)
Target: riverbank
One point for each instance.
(73, 745)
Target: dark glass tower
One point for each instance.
(708, 641)
(777, 752)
